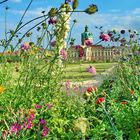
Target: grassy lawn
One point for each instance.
(77, 72)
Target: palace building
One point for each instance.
(95, 53)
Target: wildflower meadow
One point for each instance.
(36, 103)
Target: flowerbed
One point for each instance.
(34, 105)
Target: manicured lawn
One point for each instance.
(77, 72)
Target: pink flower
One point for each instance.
(63, 54)
(28, 125)
(52, 20)
(88, 42)
(25, 46)
(15, 128)
(75, 87)
(91, 70)
(49, 106)
(45, 131)
(32, 116)
(67, 85)
(105, 37)
(37, 106)
(83, 90)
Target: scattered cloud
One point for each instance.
(32, 13)
(125, 20)
(116, 19)
(136, 11)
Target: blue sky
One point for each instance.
(113, 14)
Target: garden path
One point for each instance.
(97, 79)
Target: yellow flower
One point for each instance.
(2, 89)
(48, 54)
(81, 124)
(32, 52)
(87, 94)
(9, 51)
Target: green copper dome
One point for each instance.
(86, 35)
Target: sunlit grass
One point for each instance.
(77, 72)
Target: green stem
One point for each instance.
(111, 123)
(20, 22)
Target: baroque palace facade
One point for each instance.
(95, 52)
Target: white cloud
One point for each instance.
(16, 1)
(136, 11)
(117, 20)
(32, 13)
(123, 19)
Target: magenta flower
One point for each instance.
(105, 37)
(42, 121)
(91, 70)
(37, 106)
(45, 131)
(88, 42)
(25, 46)
(15, 128)
(32, 116)
(52, 20)
(63, 54)
(28, 125)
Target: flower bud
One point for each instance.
(92, 9)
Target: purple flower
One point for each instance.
(53, 43)
(52, 20)
(42, 121)
(25, 46)
(15, 128)
(37, 106)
